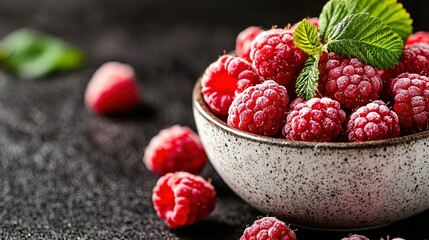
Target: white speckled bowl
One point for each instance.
(340, 186)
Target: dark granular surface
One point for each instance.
(67, 174)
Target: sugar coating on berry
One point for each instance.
(244, 39)
(268, 228)
(417, 37)
(260, 109)
(374, 121)
(411, 96)
(275, 56)
(349, 81)
(175, 149)
(316, 120)
(415, 59)
(224, 79)
(112, 89)
(181, 199)
(355, 237)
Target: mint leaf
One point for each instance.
(332, 13)
(390, 12)
(305, 37)
(31, 54)
(367, 38)
(306, 83)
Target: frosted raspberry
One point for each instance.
(295, 102)
(349, 81)
(313, 20)
(415, 59)
(260, 109)
(112, 89)
(224, 79)
(183, 199)
(355, 237)
(317, 120)
(244, 39)
(373, 121)
(418, 37)
(411, 93)
(275, 56)
(268, 228)
(175, 149)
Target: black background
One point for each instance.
(67, 174)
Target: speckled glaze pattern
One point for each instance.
(320, 185)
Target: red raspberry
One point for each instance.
(224, 79)
(373, 121)
(268, 228)
(411, 93)
(295, 102)
(355, 237)
(181, 199)
(175, 149)
(415, 59)
(275, 56)
(349, 81)
(244, 39)
(314, 21)
(112, 89)
(317, 120)
(260, 109)
(418, 37)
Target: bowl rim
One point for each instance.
(200, 105)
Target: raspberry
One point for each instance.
(411, 93)
(268, 228)
(415, 59)
(244, 39)
(317, 120)
(373, 121)
(224, 79)
(112, 89)
(418, 37)
(175, 149)
(181, 199)
(275, 56)
(349, 81)
(260, 109)
(355, 237)
(313, 20)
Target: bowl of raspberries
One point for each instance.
(323, 123)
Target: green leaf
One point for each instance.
(31, 54)
(305, 37)
(367, 38)
(332, 13)
(307, 81)
(390, 12)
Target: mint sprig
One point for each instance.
(306, 38)
(31, 54)
(367, 38)
(307, 81)
(332, 13)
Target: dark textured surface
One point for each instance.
(67, 174)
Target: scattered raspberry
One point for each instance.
(175, 149)
(317, 120)
(268, 228)
(260, 109)
(224, 79)
(275, 56)
(417, 37)
(244, 39)
(415, 59)
(182, 199)
(349, 81)
(373, 121)
(314, 21)
(411, 93)
(295, 102)
(355, 237)
(112, 89)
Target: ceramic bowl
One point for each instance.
(338, 186)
